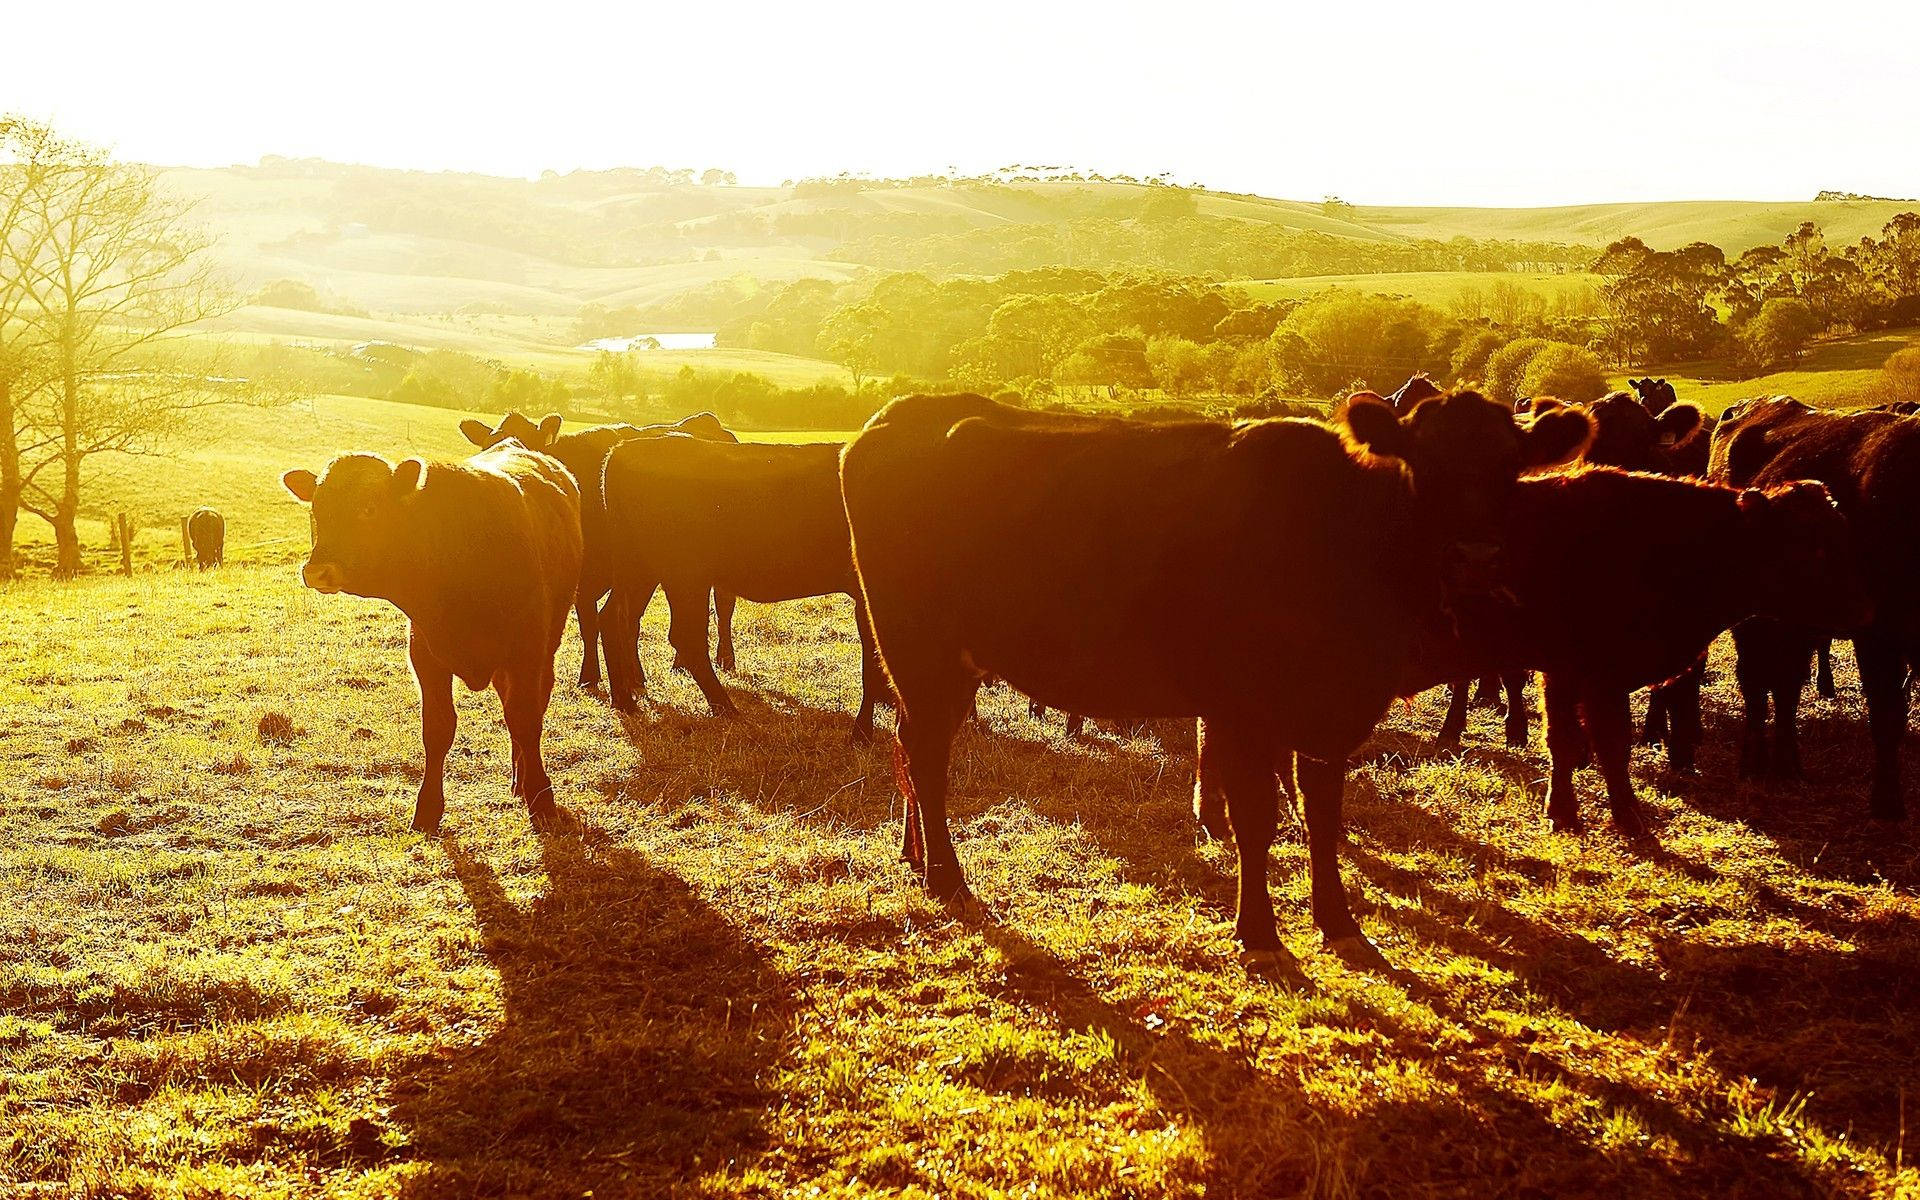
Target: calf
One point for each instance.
(1871, 461)
(757, 521)
(1270, 577)
(582, 452)
(207, 531)
(482, 557)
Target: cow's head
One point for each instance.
(1810, 572)
(521, 429)
(359, 520)
(1463, 454)
(1656, 394)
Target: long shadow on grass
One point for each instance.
(638, 1024)
(1469, 1135)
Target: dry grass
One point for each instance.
(227, 968)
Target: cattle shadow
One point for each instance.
(638, 1026)
(1267, 1135)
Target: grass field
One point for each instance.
(1436, 288)
(226, 968)
(1834, 374)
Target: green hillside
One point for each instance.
(1733, 225)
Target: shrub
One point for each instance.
(1569, 372)
(1505, 367)
(1778, 334)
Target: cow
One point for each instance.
(762, 522)
(482, 556)
(1612, 581)
(1656, 394)
(1269, 577)
(207, 532)
(1417, 388)
(1871, 461)
(582, 452)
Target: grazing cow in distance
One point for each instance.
(1270, 577)
(763, 522)
(1871, 462)
(207, 531)
(583, 452)
(482, 556)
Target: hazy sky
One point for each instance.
(1438, 103)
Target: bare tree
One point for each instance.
(25, 148)
(110, 269)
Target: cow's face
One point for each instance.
(1656, 394)
(521, 429)
(1812, 573)
(1464, 453)
(359, 518)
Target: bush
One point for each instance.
(1778, 334)
(1338, 337)
(1570, 372)
(1899, 381)
(1471, 355)
(1505, 367)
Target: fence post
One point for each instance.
(126, 545)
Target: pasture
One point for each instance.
(227, 968)
(1838, 373)
(1438, 289)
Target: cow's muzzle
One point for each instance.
(322, 577)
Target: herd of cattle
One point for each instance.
(1279, 581)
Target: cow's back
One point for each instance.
(1122, 570)
(762, 521)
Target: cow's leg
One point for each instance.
(1682, 695)
(1242, 762)
(524, 695)
(1883, 677)
(1567, 749)
(1752, 642)
(1209, 794)
(438, 720)
(687, 630)
(723, 628)
(1607, 714)
(931, 707)
(1456, 722)
(1321, 785)
(1795, 664)
(1517, 715)
(620, 639)
(1823, 676)
(1486, 693)
(1659, 723)
(873, 680)
(1075, 725)
(586, 611)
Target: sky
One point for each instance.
(1379, 103)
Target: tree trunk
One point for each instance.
(9, 479)
(65, 513)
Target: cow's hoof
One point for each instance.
(725, 663)
(1566, 823)
(947, 884)
(1277, 964)
(1887, 804)
(1629, 825)
(426, 822)
(1516, 740)
(1211, 813)
(545, 814)
(1357, 950)
(1258, 940)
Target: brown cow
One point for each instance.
(1871, 461)
(762, 522)
(583, 452)
(1269, 577)
(1628, 434)
(207, 532)
(482, 556)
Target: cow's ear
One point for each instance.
(301, 483)
(1753, 501)
(1678, 422)
(477, 432)
(1371, 423)
(409, 475)
(1556, 435)
(550, 428)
